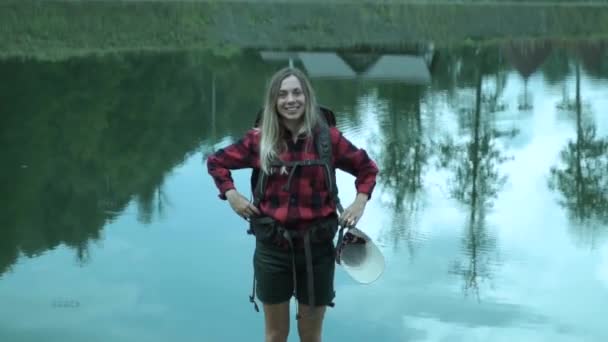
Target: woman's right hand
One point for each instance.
(241, 205)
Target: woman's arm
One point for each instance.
(239, 155)
(355, 161)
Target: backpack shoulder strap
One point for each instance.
(324, 149)
(258, 191)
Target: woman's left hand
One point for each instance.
(353, 213)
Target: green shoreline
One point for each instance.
(63, 29)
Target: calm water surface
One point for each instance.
(491, 206)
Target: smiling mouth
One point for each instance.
(292, 109)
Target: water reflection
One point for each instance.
(581, 178)
(403, 156)
(80, 148)
(526, 58)
(474, 165)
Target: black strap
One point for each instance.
(260, 186)
(310, 280)
(252, 297)
(323, 143)
(287, 235)
(340, 237)
(339, 247)
(309, 273)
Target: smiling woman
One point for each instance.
(294, 214)
(289, 95)
(290, 103)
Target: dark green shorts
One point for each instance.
(274, 278)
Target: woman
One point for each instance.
(294, 217)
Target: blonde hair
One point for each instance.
(270, 142)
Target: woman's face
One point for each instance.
(291, 101)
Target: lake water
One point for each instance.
(491, 205)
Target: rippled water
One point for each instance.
(491, 205)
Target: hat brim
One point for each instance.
(367, 264)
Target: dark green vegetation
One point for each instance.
(59, 29)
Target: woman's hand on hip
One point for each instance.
(353, 213)
(241, 205)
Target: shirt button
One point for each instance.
(292, 200)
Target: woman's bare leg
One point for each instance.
(310, 323)
(276, 318)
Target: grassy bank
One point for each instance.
(61, 29)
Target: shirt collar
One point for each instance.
(286, 134)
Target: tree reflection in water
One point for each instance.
(581, 178)
(474, 166)
(403, 157)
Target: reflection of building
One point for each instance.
(406, 68)
(526, 58)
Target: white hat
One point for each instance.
(362, 260)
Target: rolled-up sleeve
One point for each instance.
(239, 155)
(355, 161)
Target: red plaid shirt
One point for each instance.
(309, 197)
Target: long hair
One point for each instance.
(270, 143)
